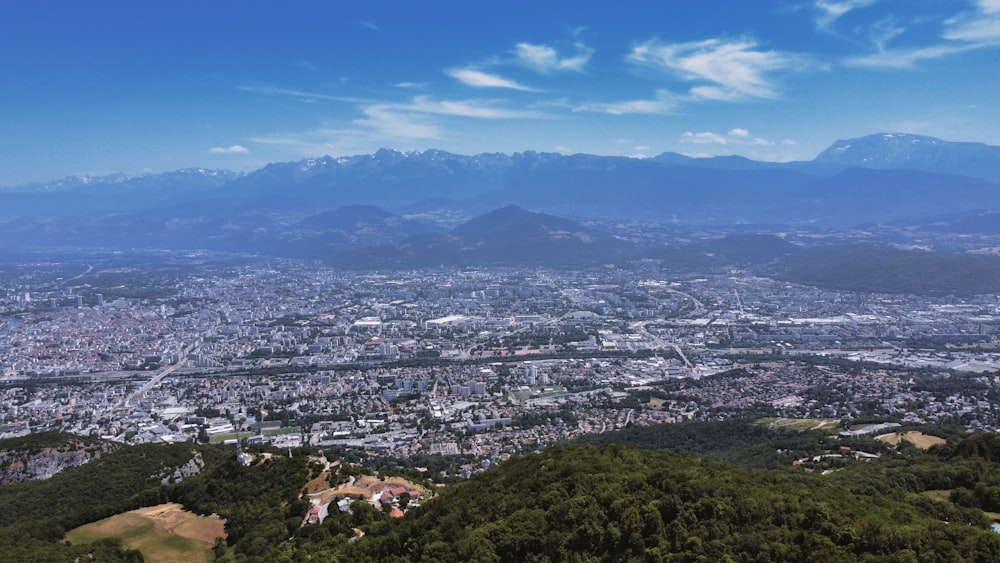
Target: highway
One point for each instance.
(640, 327)
(159, 376)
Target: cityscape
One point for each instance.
(500, 282)
(483, 362)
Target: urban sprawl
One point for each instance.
(487, 362)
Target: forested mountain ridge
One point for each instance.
(616, 503)
(580, 502)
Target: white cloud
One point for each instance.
(479, 79)
(703, 138)
(664, 103)
(544, 58)
(386, 121)
(301, 94)
(979, 26)
(465, 108)
(969, 30)
(884, 31)
(733, 69)
(399, 125)
(235, 149)
(733, 137)
(380, 127)
(832, 10)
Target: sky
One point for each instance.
(98, 87)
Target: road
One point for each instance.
(159, 376)
(698, 304)
(640, 327)
(76, 277)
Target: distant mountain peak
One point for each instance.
(915, 152)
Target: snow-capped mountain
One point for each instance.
(897, 151)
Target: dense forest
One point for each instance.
(615, 497)
(618, 503)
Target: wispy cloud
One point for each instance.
(883, 32)
(703, 138)
(301, 94)
(979, 26)
(736, 136)
(832, 10)
(235, 149)
(387, 121)
(546, 59)
(727, 69)
(969, 30)
(663, 103)
(481, 109)
(395, 124)
(480, 79)
(908, 58)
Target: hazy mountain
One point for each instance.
(915, 152)
(978, 221)
(751, 248)
(111, 194)
(854, 182)
(877, 196)
(506, 236)
(347, 227)
(872, 268)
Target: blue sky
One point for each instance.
(99, 87)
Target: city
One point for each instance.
(483, 362)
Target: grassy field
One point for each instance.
(801, 424)
(319, 483)
(164, 534)
(918, 439)
(220, 438)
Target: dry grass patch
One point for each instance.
(802, 424)
(319, 483)
(918, 439)
(164, 534)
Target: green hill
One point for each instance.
(617, 503)
(580, 502)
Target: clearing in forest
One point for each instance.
(918, 439)
(164, 533)
(801, 424)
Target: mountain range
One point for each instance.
(412, 208)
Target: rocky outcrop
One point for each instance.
(21, 465)
(192, 467)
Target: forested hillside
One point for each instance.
(580, 502)
(617, 503)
